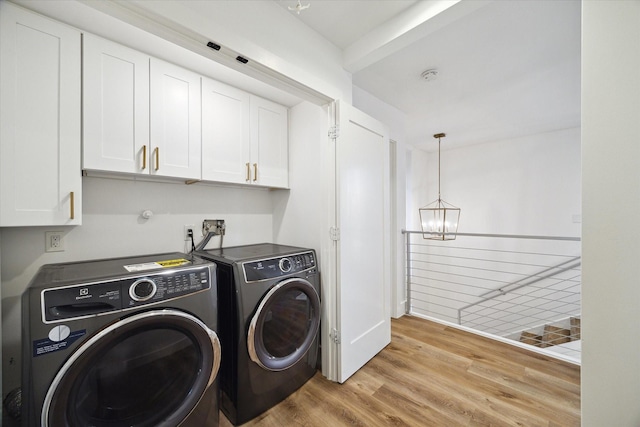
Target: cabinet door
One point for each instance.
(269, 143)
(175, 121)
(225, 133)
(40, 175)
(116, 107)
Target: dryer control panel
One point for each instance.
(91, 299)
(272, 268)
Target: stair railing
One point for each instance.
(496, 284)
(527, 281)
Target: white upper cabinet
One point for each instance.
(244, 137)
(141, 115)
(269, 143)
(40, 74)
(226, 138)
(175, 121)
(116, 107)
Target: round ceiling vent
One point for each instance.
(429, 75)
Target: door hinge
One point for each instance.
(334, 233)
(334, 132)
(335, 335)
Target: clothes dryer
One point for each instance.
(269, 316)
(121, 342)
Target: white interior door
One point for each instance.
(363, 282)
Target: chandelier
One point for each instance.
(439, 219)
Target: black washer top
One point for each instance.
(104, 269)
(248, 252)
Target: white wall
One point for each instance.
(395, 119)
(529, 185)
(112, 227)
(611, 209)
(305, 207)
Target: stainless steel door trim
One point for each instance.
(213, 338)
(251, 336)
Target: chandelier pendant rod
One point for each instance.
(439, 135)
(439, 168)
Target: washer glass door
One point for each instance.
(150, 369)
(285, 325)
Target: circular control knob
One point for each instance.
(142, 290)
(285, 265)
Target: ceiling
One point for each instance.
(505, 69)
(344, 22)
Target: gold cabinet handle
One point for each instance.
(255, 172)
(157, 151)
(144, 157)
(73, 206)
(248, 172)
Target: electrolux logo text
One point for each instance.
(84, 293)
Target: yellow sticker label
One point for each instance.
(173, 262)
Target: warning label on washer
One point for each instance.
(45, 346)
(156, 265)
(173, 262)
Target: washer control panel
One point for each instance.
(272, 268)
(89, 299)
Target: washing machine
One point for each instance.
(269, 317)
(121, 342)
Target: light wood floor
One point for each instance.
(433, 375)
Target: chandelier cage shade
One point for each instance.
(439, 219)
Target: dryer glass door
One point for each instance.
(285, 325)
(150, 369)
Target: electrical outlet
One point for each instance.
(53, 241)
(188, 232)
